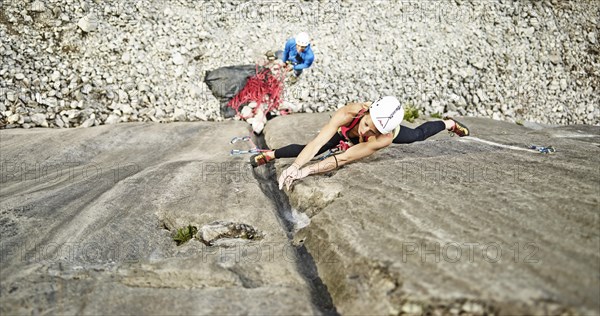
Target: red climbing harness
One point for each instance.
(344, 145)
(264, 87)
(344, 129)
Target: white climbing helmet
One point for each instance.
(387, 113)
(302, 39)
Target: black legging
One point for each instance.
(405, 136)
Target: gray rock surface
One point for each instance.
(456, 225)
(476, 226)
(87, 218)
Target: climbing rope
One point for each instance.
(530, 148)
(263, 88)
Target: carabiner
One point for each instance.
(237, 152)
(543, 150)
(239, 139)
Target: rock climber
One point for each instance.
(361, 129)
(297, 55)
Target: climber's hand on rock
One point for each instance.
(290, 174)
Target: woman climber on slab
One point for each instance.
(360, 129)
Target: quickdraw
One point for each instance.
(543, 149)
(253, 150)
(341, 147)
(241, 152)
(328, 153)
(240, 139)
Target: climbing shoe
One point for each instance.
(259, 159)
(459, 129)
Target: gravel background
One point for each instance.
(82, 63)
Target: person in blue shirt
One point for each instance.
(298, 54)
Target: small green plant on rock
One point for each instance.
(436, 115)
(410, 113)
(184, 234)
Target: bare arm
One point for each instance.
(353, 153)
(341, 117)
